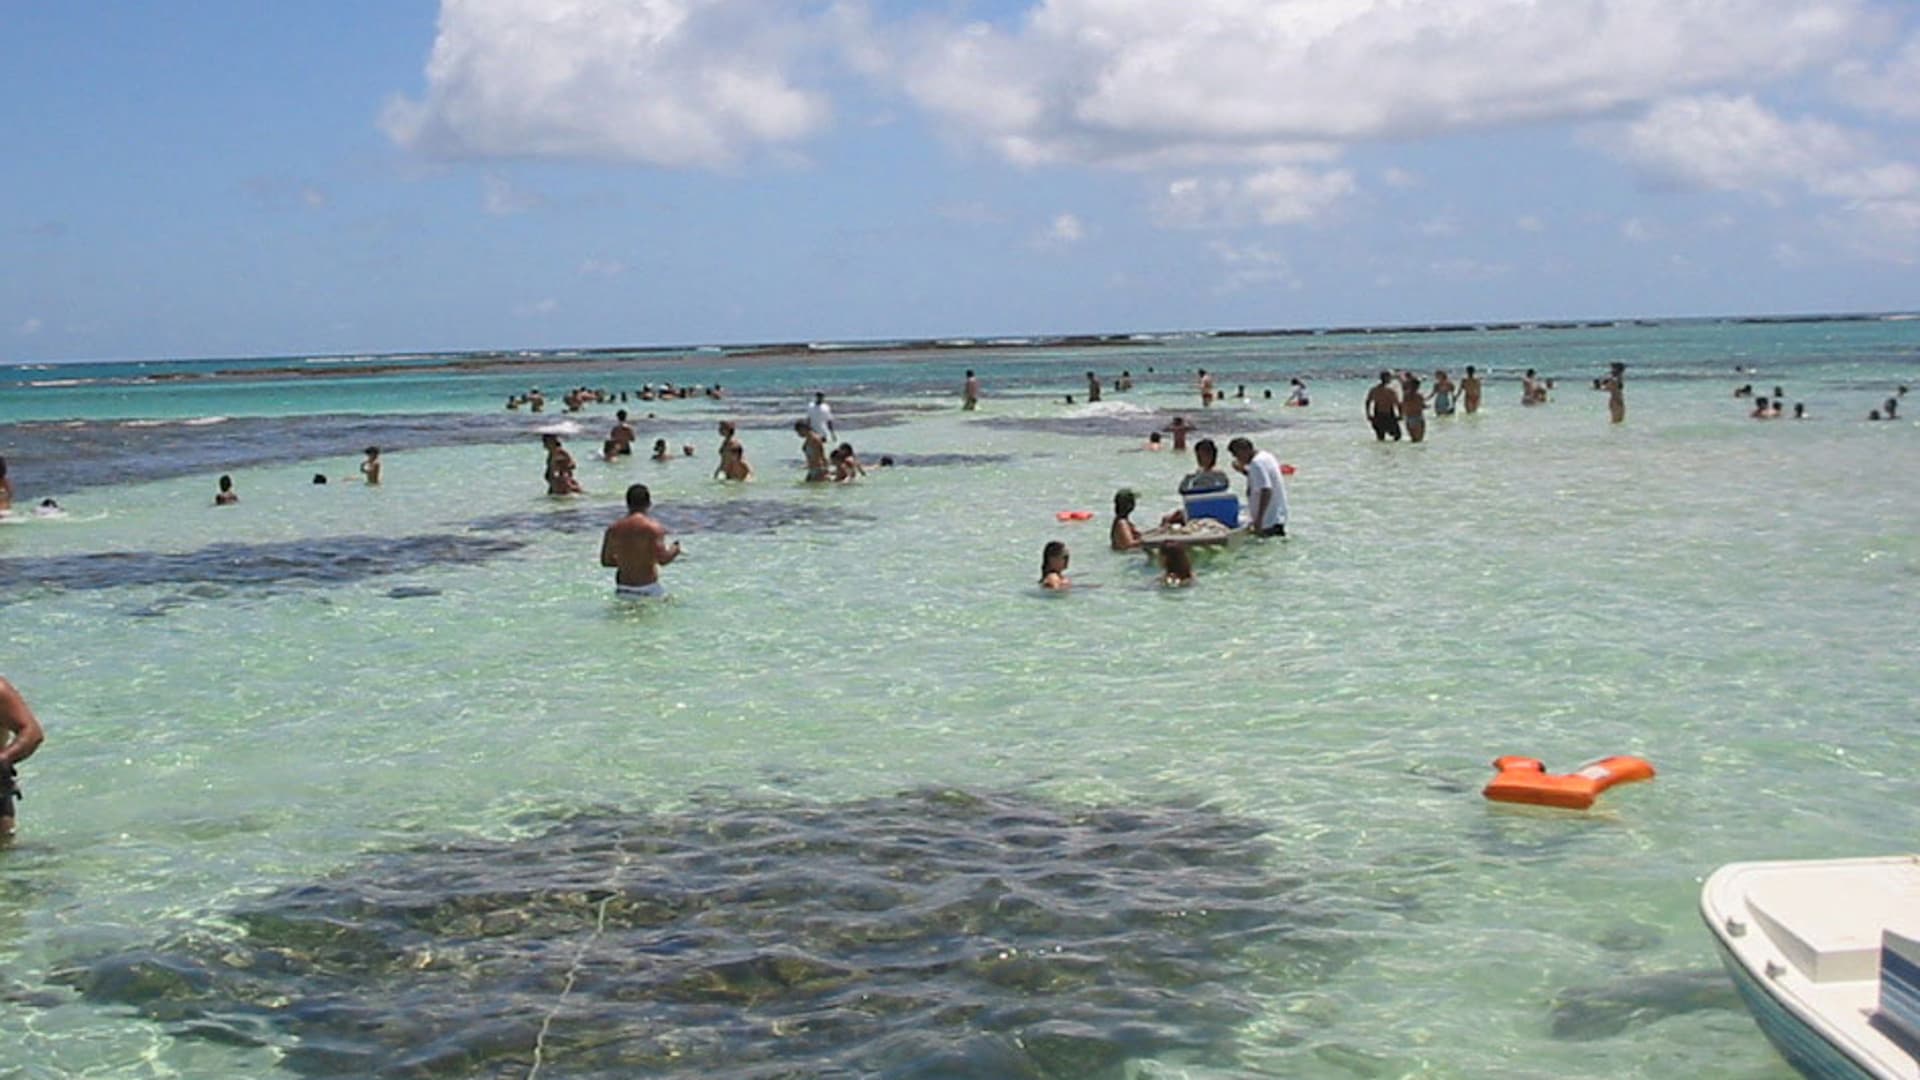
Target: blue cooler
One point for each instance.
(1221, 506)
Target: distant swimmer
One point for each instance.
(846, 464)
(815, 449)
(370, 468)
(1124, 382)
(560, 468)
(6, 488)
(820, 417)
(1615, 385)
(660, 451)
(1123, 536)
(637, 547)
(1470, 391)
(970, 392)
(1762, 411)
(1383, 409)
(1413, 408)
(226, 496)
(1891, 408)
(22, 735)
(1153, 441)
(48, 509)
(1298, 398)
(733, 457)
(622, 435)
(1176, 566)
(1206, 389)
(1179, 428)
(1093, 388)
(1053, 566)
(1442, 393)
(1799, 410)
(1531, 391)
(1744, 391)
(1266, 491)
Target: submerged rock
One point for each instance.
(936, 933)
(1598, 1012)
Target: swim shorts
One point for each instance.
(652, 591)
(1387, 426)
(9, 790)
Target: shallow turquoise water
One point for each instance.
(1732, 600)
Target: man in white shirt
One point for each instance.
(820, 417)
(1266, 492)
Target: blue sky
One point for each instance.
(355, 176)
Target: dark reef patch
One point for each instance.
(1218, 424)
(929, 934)
(322, 560)
(734, 516)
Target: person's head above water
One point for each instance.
(1053, 558)
(226, 483)
(1124, 501)
(372, 451)
(319, 478)
(639, 498)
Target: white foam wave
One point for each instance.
(1109, 408)
(206, 421)
(563, 427)
(59, 382)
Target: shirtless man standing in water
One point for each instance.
(637, 546)
(20, 736)
(1383, 409)
(1470, 391)
(815, 449)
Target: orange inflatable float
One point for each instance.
(1287, 470)
(1074, 515)
(1526, 780)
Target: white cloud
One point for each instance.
(1636, 230)
(1251, 266)
(1735, 144)
(501, 197)
(1529, 223)
(30, 327)
(1134, 82)
(1065, 230)
(661, 82)
(538, 308)
(1732, 144)
(1439, 227)
(1892, 87)
(1400, 179)
(1280, 196)
(605, 268)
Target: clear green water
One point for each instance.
(1732, 600)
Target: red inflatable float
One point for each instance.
(1526, 780)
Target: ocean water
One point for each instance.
(346, 781)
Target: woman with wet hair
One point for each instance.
(1053, 566)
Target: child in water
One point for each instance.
(1176, 565)
(1124, 536)
(1053, 566)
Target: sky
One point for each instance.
(324, 177)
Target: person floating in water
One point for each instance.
(636, 546)
(1053, 566)
(226, 496)
(1123, 536)
(370, 468)
(22, 735)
